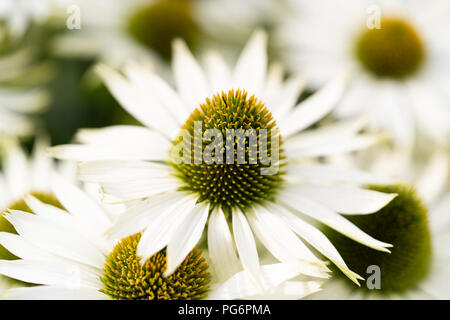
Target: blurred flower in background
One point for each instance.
(416, 223)
(399, 52)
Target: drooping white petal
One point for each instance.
(250, 70)
(246, 246)
(315, 107)
(189, 77)
(344, 199)
(221, 246)
(138, 216)
(316, 239)
(332, 219)
(278, 238)
(161, 229)
(185, 237)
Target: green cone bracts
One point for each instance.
(403, 223)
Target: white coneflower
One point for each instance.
(417, 268)
(66, 256)
(175, 199)
(397, 50)
(138, 29)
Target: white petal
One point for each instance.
(316, 239)
(16, 170)
(80, 205)
(315, 107)
(164, 100)
(345, 199)
(332, 219)
(53, 293)
(218, 72)
(246, 246)
(59, 240)
(160, 231)
(133, 101)
(285, 99)
(186, 237)
(41, 165)
(121, 171)
(137, 217)
(434, 178)
(221, 246)
(355, 143)
(240, 286)
(330, 173)
(189, 77)
(18, 246)
(250, 70)
(290, 290)
(278, 238)
(123, 135)
(153, 148)
(48, 272)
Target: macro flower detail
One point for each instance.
(220, 183)
(124, 277)
(171, 199)
(83, 264)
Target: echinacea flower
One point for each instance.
(417, 267)
(140, 29)
(398, 52)
(270, 191)
(66, 256)
(22, 175)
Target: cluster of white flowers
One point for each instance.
(244, 179)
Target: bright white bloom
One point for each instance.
(398, 51)
(133, 164)
(66, 254)
(21, 175)
(432, 184)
